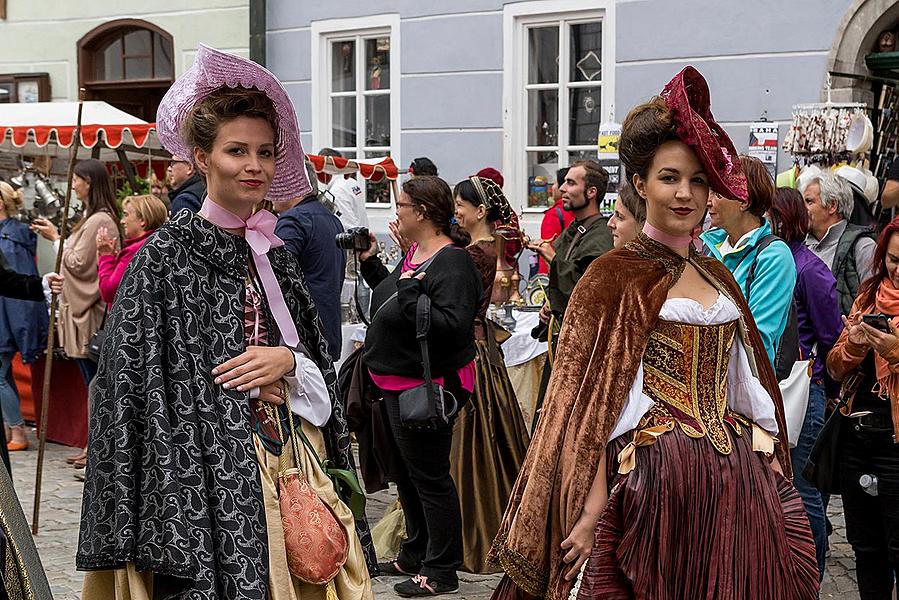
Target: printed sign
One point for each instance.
(763, 145)
(607, 156)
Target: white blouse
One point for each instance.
(307, 391)
(745, 393)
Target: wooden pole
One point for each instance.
(396, 190)
(48, 365)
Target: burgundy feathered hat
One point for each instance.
(687, 97)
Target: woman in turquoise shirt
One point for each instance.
(736, 239)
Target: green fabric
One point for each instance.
(564, 274)
(844, 267)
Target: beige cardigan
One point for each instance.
(80, 306)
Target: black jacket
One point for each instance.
(309, 231)
(173, 482)
(188, 195)
(21, 287)
(454, 286)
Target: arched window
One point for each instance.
(126, 50)
(128, 63)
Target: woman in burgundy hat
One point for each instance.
(214, 348)
(661, 457)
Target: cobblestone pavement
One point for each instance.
(61, 511)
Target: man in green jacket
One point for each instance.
(587, 238)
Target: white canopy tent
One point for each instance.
(47, 128)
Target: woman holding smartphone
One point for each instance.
(869, 346)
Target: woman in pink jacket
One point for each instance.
(141, 215)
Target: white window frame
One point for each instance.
(324, 33)
(517, 19)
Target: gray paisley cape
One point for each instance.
(172, 481)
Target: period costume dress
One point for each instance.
(490, 437)
(180, 495)
(695, 420)
(22, 576)
(684, 405)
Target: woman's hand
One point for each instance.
(258, 366)
(399, 239)
(853, 325)
(55, 281)
(106, 244)
(45, 229)
(372, 249)
(883, 343)
(274, 393)
(579, 544)
(410, 274)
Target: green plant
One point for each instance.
(125, 190)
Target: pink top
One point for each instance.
(259, 232)
(111, 267)
(398, 383)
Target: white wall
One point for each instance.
(42, 36)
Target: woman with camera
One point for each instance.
(435, 266)
(867, 449)
(80, 306)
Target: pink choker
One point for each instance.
(672, 241)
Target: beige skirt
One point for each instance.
(351, 583)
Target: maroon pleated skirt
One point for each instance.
(691, 523)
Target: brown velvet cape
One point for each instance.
(614, 308)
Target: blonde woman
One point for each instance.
(23, 323)
(141, 215)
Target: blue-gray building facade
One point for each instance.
(525, 86)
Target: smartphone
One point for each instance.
(881, 322)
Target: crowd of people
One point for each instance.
(664, 460)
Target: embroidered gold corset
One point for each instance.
(685, 373)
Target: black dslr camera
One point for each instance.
(355, 239)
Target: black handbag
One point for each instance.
(823, 467)
(95, 344)
(427, 406)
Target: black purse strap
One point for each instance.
(422, 327)
(422, 268)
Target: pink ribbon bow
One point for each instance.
(260, 235)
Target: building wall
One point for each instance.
(759, 57)
(451, 74)
(35, 40)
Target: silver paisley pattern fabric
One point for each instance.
(172, 482)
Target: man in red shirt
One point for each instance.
(556, 219)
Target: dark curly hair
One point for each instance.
(434, 200)
(225, 104)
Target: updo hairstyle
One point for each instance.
(433, 199)
(13, 200)
(465, 190)
(225, 104)
(646, 127)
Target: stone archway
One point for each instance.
(855, 37)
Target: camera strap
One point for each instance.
(422, 268)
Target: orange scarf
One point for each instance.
(887, 302)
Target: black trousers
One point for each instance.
(433, 545)
(872, 522)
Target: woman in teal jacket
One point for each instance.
(737, 239)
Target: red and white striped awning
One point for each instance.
(372, 169)
(43, 127)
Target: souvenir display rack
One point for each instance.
(886, 131)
